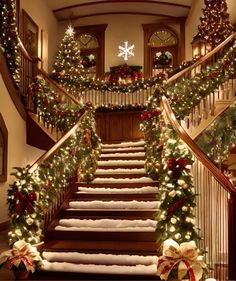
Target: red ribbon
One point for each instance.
(25, 201)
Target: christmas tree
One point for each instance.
(67, 65)
(215, 26)
(9, 37)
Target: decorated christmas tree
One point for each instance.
(9, 37)
(67, 65)
(215, 26)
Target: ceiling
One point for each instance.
(76, 9)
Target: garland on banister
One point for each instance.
(187, 93)
(216, 140)
(32, 194)
(50, 106)
(103, 86)
(9, 37)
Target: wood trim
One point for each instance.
(26, 22)
(4, 226)
(219, 176)
(8, 81)
(149, 29)
(97, 31)
(3, 130)
(121, 13)
(123, 1)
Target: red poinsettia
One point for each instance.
(155, 112)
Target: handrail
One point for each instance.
(201, 60)
(220, 177)
(24, 51)
(50, 152)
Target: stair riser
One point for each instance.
(116, 185)
(122, 166)
(103, 236)
(88, 276)
(122, 176)
(114, 247)
(114, 197)
(109, 214)
(102, 158)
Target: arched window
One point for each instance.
(91, 39)
(3, 150)
(163, 38)
(159, 40)
(88, 41)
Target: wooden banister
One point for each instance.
(221, 178)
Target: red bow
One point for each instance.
(25, 201)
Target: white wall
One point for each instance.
(120, 28)
(45, 19)
(19, 153)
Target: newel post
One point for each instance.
(232, 236)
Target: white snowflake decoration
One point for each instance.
(70, 31)
(126, 51)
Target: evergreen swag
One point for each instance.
(33, 193)
(9, 37)
(216, 140)
(188, 93)
(169, 161)
(51, 108)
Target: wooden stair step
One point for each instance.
(109, 213)
(51, 275)
(123, 150)
(116, 185)
(102, 235)
(102, 158)
(116, 176)
(121, 197)
(116, 247)
(123, 166)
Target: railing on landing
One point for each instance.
(216, 208)
(217, 100)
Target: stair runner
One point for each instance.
(106, 229)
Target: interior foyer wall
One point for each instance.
(19, 153)
(120, 28)
(46, 21)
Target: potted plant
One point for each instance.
(23, 258)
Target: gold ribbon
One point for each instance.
(185, 256)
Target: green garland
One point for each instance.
(103, 86)
(175, 217)
(9, 37)
(216, 140)
(32, 193)
(50, 107)
(187, 93)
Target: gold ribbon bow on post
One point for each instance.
(184, 256)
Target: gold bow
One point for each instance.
(185, 256)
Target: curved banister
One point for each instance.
(203, 59)
(52, 150)
(220, 177)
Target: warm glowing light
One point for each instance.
(126, 51)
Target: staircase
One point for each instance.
(105, 230)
